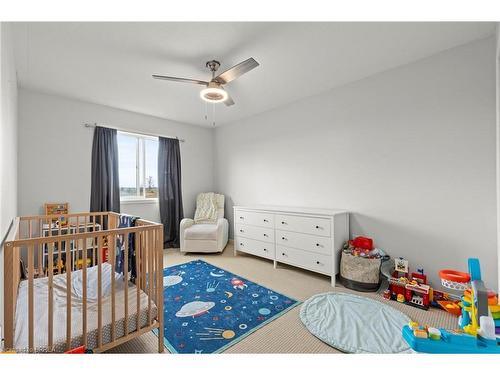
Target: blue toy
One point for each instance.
(478, 327)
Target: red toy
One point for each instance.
(411, 290)
(363, 243)
(77, 350)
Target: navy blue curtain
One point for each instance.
(169, 190)
(105, 187)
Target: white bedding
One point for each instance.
(59, 310)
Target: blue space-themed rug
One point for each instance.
(208, 309)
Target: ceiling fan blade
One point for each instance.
(177, 79)
(229, 101)
(236, 71)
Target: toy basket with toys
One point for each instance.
(360, 265)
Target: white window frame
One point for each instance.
(140, 149)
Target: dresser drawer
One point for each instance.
(309, 225)
(254, 218)
(304, 259)
(317, 244)
(259, 248)
(255, 233)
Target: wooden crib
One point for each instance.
(61, 285)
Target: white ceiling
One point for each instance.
(112, 63)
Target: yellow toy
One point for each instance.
(420, 333)
(79, 263)
(413, 324)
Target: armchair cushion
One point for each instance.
(201, 232)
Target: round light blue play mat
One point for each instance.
(355, 324)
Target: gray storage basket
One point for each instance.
(358, 273)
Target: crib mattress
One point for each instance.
(59, 310)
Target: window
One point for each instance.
(138, 166)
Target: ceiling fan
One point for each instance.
(214, 92)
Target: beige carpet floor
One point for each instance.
(286, 334)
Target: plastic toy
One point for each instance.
(455, 280)
(434, 333)
(479, 331)
(363, 243)
(409, 289)
(450, 306)
(446, 301)
(387, 294)
(79, 350)
(79, 263)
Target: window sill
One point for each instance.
(139, 201)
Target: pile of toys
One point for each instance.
(478, 323)
(425, 332)
(363, 247)
(493, 310)
(411, 289)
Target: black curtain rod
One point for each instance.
(134, 131)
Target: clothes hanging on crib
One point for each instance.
(126, 221)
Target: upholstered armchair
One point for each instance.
(205, 236)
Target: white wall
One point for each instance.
(8, 142)
(497, 81)
(55, 152)
(410, 152)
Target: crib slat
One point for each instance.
(41, 248)
(125, 272)
(31, 301)
(159, 303)
(149, 247)
(69, 267)
(51, 296)
(99, 291)
(84, 294)
(144, 260)
(138, 266)
(94, 259)
(59, 251)
(39, 257)
(155, 260)
(112, 261)
(77, 248)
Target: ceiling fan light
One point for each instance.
(214, 94)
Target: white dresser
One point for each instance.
(309, 238)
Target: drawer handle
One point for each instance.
(317, 226)
(283, 238)
(241, 217)
(265, 250)
(283, 223)
(265, 235)
(265, 221)
(317, 244)
(241, 230)
(283, 254)
(318, 262)
(241, 243)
